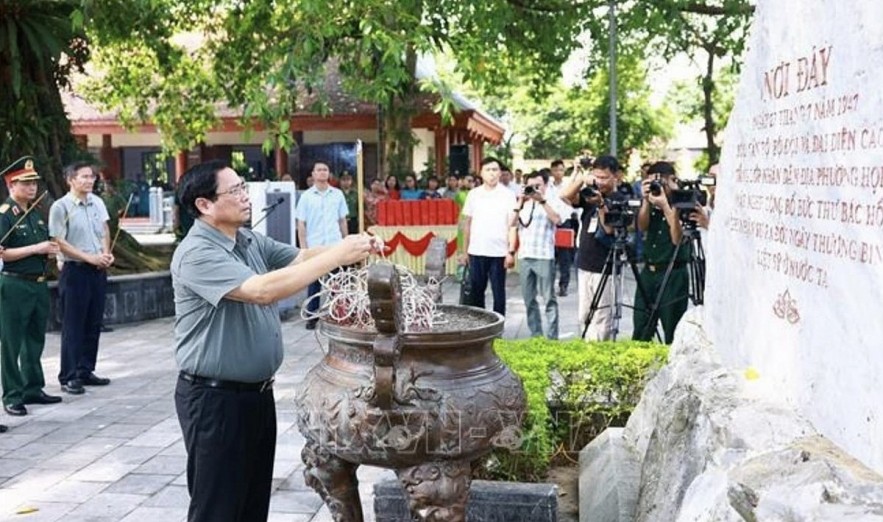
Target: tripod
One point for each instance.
(613, 267)
(695, 271)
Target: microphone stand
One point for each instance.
(267, 211)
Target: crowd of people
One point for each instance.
(227, 277)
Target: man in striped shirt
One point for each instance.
(536, 220)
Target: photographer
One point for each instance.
(659, 222)
(587, 191)
(536, 218)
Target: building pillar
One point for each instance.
(281, 162)
(477, 154)
(441, 152)
(110, 159)
(180, 164)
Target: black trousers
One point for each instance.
(564, 263)
(483, 269)
(230, 438)
(82, 290)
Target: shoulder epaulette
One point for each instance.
(3, 208)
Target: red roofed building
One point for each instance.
(134, 154)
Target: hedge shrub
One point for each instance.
(574, 391)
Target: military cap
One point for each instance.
(21, 169)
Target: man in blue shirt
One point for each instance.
(321, 221)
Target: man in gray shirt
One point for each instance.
(227, 280)
(78, 223)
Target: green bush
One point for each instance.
(574, 391)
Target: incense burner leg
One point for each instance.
(335, 481)
(437, 491)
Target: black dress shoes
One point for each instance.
(94, 380)
(74, 387)
(15, 409)
(43, 398)
(311, 324)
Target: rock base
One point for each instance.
(615, 496)
(703, 444)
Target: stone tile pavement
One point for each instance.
(116, 453)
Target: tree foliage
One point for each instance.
(713, 30)
(271, 58)
(570, 120)
(41, 46)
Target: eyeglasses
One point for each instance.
(235, 191)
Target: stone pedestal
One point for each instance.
(488, 502)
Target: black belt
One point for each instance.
(229, 385)
(27, 277)
(81, 263)
(656, 267)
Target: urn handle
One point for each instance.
(384, 291)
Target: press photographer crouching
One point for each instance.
(588, 190)
(665, 278)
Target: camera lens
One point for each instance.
(529, 190)
(655, 188)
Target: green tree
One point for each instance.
(689, 103)
(40, 48)
(271, 58)
(569, 120)
(716, 30)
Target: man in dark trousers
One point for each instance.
(228, 342)
(78, 222)
(659, 222)
(24, 296)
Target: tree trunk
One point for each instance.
(708, 108)
(398, 139)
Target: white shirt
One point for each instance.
(491, 211)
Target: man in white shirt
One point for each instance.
(488, 242)
(536, 221)
(321, 221)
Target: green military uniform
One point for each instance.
(658, 252)
(351, 197)
(24, 301)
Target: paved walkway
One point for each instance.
(116, 453)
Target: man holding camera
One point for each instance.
(588, 191)
(536, 219)
(662, 229)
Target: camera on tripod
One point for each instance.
(621, 211)
(688, 195)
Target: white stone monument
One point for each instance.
(795, 281)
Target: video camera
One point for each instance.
(689, 194)
(622, 206)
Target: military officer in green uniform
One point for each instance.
(662, 233)
(24, 296)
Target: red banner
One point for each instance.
(415, 247)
